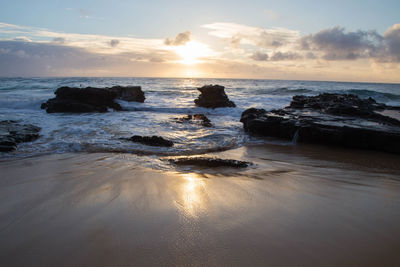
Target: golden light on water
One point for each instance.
(188, 82)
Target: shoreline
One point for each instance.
(284, 151)
(296, 206)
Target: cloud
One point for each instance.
(59, 40)
(7, 26)
(157, 60)
(50, 59)
(4, 51)
(276, 56)
(337, 44)
(259, 56)
(92, 42)
(310, 55)
(235, 41)
(392, 39)
(181, 39)
(21, 54)
(114, 42)
(264, 38)
(279, 56)
(22, 39)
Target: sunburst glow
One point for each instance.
(192, 52)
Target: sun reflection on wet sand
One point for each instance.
(192, 194)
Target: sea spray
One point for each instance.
(295, 137)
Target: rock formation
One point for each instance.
(196, 118)
(129, 93)
(210, 162)
(12, 133)
(78, 100)
(91, 99)
(213, 96)
(331, 119)
(151, 140)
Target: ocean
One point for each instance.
(166, 100)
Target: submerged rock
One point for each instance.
(213, 96)
(332, 119)
(12, 133)
(201, 118)
(151, 140)
(91, 99)
(210, 162)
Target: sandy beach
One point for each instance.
(295, 206)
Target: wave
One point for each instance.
(287, 91)
(183, 110)
(135, 149)
(24, 104)
(147, 152)
(168, 92)
(284, 91)
(374, 94)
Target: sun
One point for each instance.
(192, 52)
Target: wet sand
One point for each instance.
(297, 206)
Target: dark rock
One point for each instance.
(268, 125)
(129, 93)
(79, 100)
(332, 119)
(204, 121)
(213, 96)
(151, 140)
(340, 104)
(210, 162)
(91, 99)
(12, 133)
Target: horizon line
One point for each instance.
(198, 78)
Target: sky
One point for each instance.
(296, 40)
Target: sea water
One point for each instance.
(166, 100)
